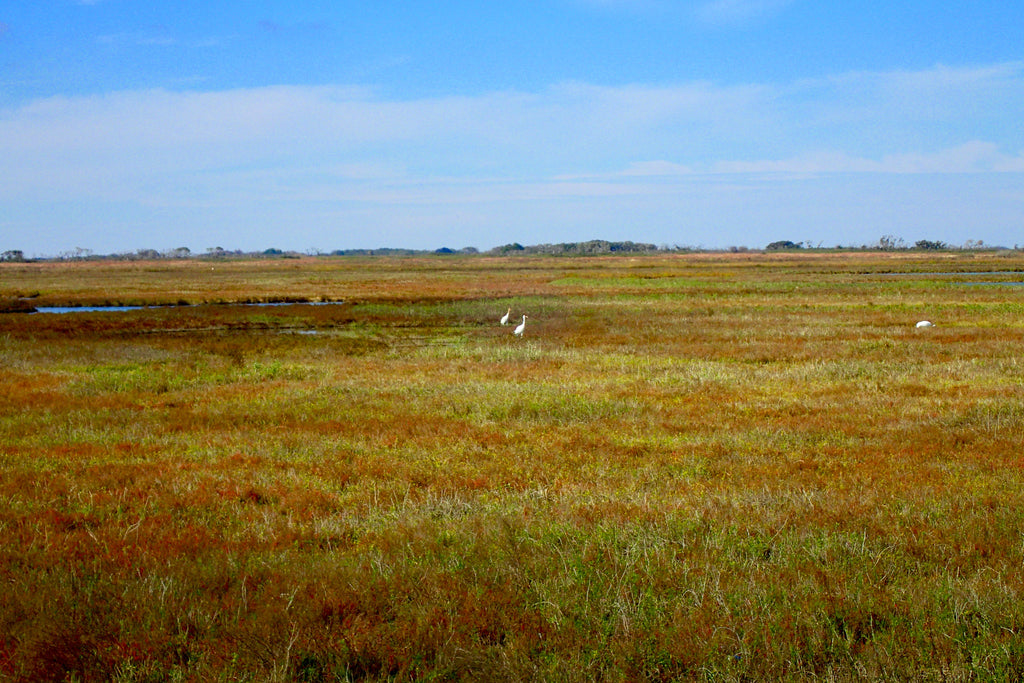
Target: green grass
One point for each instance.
(690, 468)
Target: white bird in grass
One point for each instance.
(924, 323)
(520, 327)
(504, 318)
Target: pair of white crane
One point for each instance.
(519, 328)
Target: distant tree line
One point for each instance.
(893, 243)
(565, 248)
(588, 248)
(581, 248)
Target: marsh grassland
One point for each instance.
(692, 467)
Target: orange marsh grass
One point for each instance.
(690, 468)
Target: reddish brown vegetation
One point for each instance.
(736, 467)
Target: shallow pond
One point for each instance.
(118, 309)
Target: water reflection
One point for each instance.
(118, 309)
(87, 309)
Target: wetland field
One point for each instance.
(710, 467)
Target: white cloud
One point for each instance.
(846, 123)
(572, 153)
(972, 157)
(284, 126)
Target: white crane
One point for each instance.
(925, 323)
(504, 318)
(519, 328)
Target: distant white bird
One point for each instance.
(504, 318)
(520, 327)
(924, 323)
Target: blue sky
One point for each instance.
(317, 126)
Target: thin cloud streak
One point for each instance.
(568, 128)
(357, 114)
(973, 157)
(568, 154)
